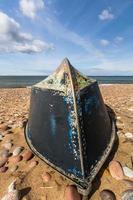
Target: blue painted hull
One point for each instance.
(70, 128)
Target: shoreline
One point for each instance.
(100, 84)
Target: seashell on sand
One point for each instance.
(17, 151)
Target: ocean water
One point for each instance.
(25, 81)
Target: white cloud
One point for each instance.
(13, 40)
(118, 39)
(104, 42)
(106, 15)
(30, 8)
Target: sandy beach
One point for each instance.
(14, 107)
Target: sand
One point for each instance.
(14, 106)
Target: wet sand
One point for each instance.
(14, 105)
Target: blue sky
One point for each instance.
(96, 36)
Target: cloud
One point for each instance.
(104, 42)
(106, 15)
(118, 39)
(13, 40)
(30, 8)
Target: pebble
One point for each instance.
(130, 109)
(107, 195)
(129, 135)
(72, 193)
(14, 168)
(46, 177)
(10, 122)
(4, 153)
(24, 122)
(118, 117)
(4, 127)
(15, 159)
(128, 183)
(33, 164)
(3, 161)
(12, 193)
(115, 170)
(27, 155)
(7, 145)
(128, 172)
(9, 140)
(1, 136)
(9, 131)
(17, 151)
(3, 169)
(4, 133)
(127, 195)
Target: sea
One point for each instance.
(27, 81)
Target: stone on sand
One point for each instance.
(4, 127)
(115, 170)
(3, 169)
(7, 145)
(129, 135)
(27, 155)
(72, 193)
(14, 168)
(107, 195)
(33, 164)
(15, 159)
(3, 161)
(128, 183)
(4, 153)
(1, 137)
(127, 195)
(46, 177)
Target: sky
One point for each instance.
(95, 35)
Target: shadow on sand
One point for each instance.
(24, 192)
(96, 183)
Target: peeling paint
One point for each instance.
(74, 171)
(60, 80)
(73, 134)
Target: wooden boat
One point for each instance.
(69, 126)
